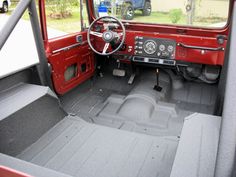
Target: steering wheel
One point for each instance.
(109, 37)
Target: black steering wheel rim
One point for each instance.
(117, 48)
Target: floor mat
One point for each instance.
(78, 148)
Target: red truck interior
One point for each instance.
(195, 37)
(163, 116)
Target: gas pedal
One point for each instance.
(131, 79)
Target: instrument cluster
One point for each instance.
(161, 48)
(154, 50)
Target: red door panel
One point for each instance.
(72, 63)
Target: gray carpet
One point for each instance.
(78, 148)
(110, 101)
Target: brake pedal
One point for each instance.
(119, 72)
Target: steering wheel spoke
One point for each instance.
(120, 34)
(96, 33)
(105, 48)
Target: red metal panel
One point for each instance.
(8, 172)
(61, 60)
(182, 54)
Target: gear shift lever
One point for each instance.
(157, 87)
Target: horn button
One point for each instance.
(108, 36)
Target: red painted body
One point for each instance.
(8, 172)
(182, 54)
(61, 60)
(201, 37)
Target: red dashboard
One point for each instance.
(194, 49)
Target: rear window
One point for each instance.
(196, 13)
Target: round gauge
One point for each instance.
(170, 48)
(150, 47)
(162, 47)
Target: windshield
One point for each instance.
(198, 13)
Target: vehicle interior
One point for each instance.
(121, 98)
